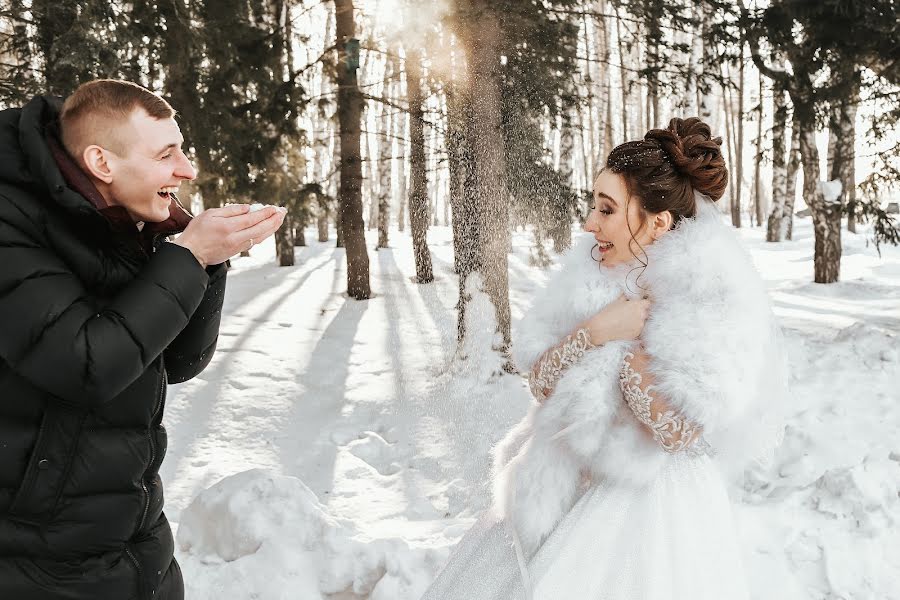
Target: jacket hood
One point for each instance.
(32, 156)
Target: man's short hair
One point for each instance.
(92, 113)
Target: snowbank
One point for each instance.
(261, 535)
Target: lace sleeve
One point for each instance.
(547, 371)
(673, 432)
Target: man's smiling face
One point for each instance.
(152, 165)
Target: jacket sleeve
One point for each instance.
(191, 351)
(71, 344)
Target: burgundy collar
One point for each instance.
(118, 218)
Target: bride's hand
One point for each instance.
(622, 319)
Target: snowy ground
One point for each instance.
(355, 450)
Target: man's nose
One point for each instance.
(185, 169)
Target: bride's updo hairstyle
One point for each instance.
(665, 168)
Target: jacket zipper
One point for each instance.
(159, 399)
(140, 571)
(32, 474)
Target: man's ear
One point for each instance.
(96, 163)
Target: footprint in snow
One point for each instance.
(375, 451)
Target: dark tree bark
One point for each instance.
(322, 225)
(826, 215)
(418, 190)
(466, 242)
(458, 162)
(300, 235)
(284, 246)
(490, 168)
(350, 195)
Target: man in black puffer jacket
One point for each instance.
(98, 312)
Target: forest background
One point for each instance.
(436, 158)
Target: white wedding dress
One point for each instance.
(672, 539)
(615, 492)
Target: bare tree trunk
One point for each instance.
(843, 132)
(739, 155)
(490, 168)
(623, 73)
(654, 39)
(418, 200)
(401, 127)
(790, 187)
(826, 215)
(779, 168)
(369, 187)
(729, 142)
(385, 159)
(285, 246)
(691, 100)
(705, 98)
(300, 235)
(336, 161)
(758, 195)
(322, 224)
(606, 141)
(467, 248)
(460, 159)
(589, 146)
(350, 196)
(561, 228)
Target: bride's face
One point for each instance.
(618, 223)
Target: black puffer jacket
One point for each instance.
(93, 323)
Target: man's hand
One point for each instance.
(217, 234)
(621, 319)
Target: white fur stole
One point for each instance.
(715, 355)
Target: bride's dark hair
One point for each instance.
(664, 169)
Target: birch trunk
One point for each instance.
(774, 229)
(759, 201)
(739, 149)
(790, 188)
(623, 74)
(385, 160)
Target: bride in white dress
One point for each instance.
(657, 375)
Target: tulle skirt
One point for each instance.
(673, 539)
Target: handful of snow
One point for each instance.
(267, 536)
(256, 206)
